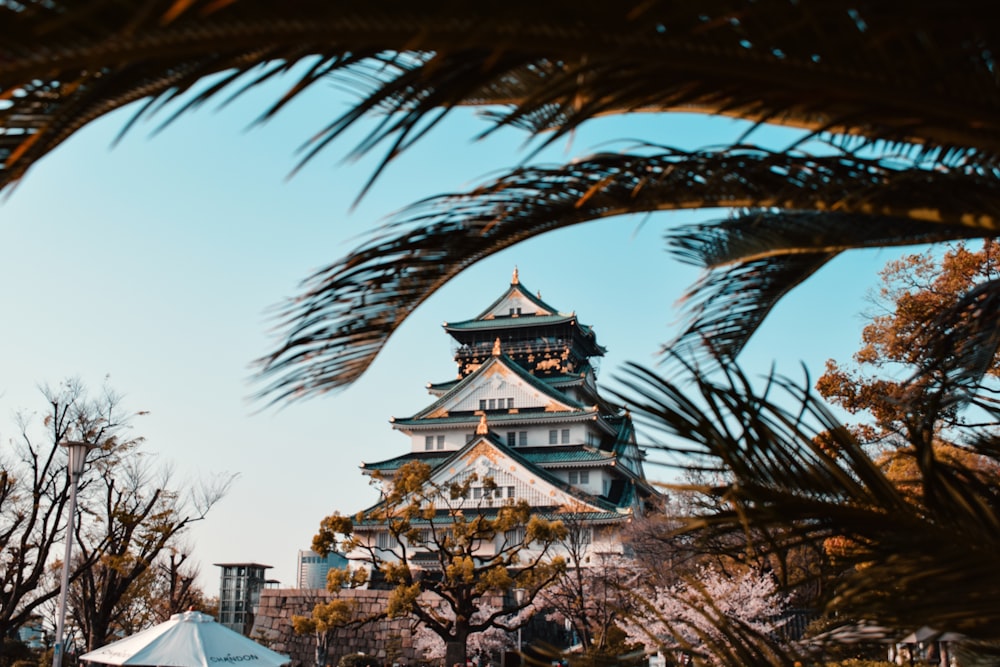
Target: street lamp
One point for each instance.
(519, 598)
(77, 457)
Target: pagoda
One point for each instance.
(525, 411)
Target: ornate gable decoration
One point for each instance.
(517, 302)
(514, 481)
(494, 382)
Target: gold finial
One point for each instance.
(482, 428)
(539, 293)
(496, 347)
(514, 280)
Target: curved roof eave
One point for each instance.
(473, 377)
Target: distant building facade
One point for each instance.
(239, 593)
(312, 568)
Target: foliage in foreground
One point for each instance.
(474, 554)
(791, 474)
(129, 568)
(689, 616)
(889, 168)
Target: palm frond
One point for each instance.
(792, 475)
(756, 258)
(331, 339)
(756, 235)
(963, 345)
(845, 68)
(725, 308)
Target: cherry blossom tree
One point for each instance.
(592, 597)
(712, 615)
(490, 641)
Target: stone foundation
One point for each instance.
(388, 642)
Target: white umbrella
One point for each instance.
(920, 635)
(191, 639)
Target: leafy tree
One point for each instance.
(899, 374)
(592, 592)
(34, 491)
(687, 616)
(326, 618)
(175, 589)
(795, 476)
(888, 168)
(469, 554)
(665, 551)
(136, 537)
(489, 642)
(129, 518)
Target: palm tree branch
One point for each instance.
(842, 71)
(331, 339)
(756, 258)
(797, 477)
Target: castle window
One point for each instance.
(429, 442)
(565, 436)
(385, 540)
(515, 535)
(482, 403)
(477, 492)
(493, 404)
(553, 437)
(510, 491)
(440, 442)
(522, 438)
(511, 438)
(574, 477)
(584, 477)
(510, 403)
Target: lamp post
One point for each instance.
(519, 598)
(77, 457)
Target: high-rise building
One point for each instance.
(312, 568)
(239, 593)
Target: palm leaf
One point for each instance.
(843, 67)
(794, 476)
(725, 308)
(856, 73)
(331, 339)
(756, 258)
(963, 345)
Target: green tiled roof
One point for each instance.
(514, 453)
(525, 293)
(509, 322)
(548, 513)
(511, 365)
(561, 380)
(577, 454)
(534, 455)
(496, 418)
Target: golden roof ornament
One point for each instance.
(514, 280)
(482, 428)
(496, 347)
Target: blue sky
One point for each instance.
(154, 262)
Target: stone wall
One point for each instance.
(388, 641)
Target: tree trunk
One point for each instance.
(454, 653)
(322, 648)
